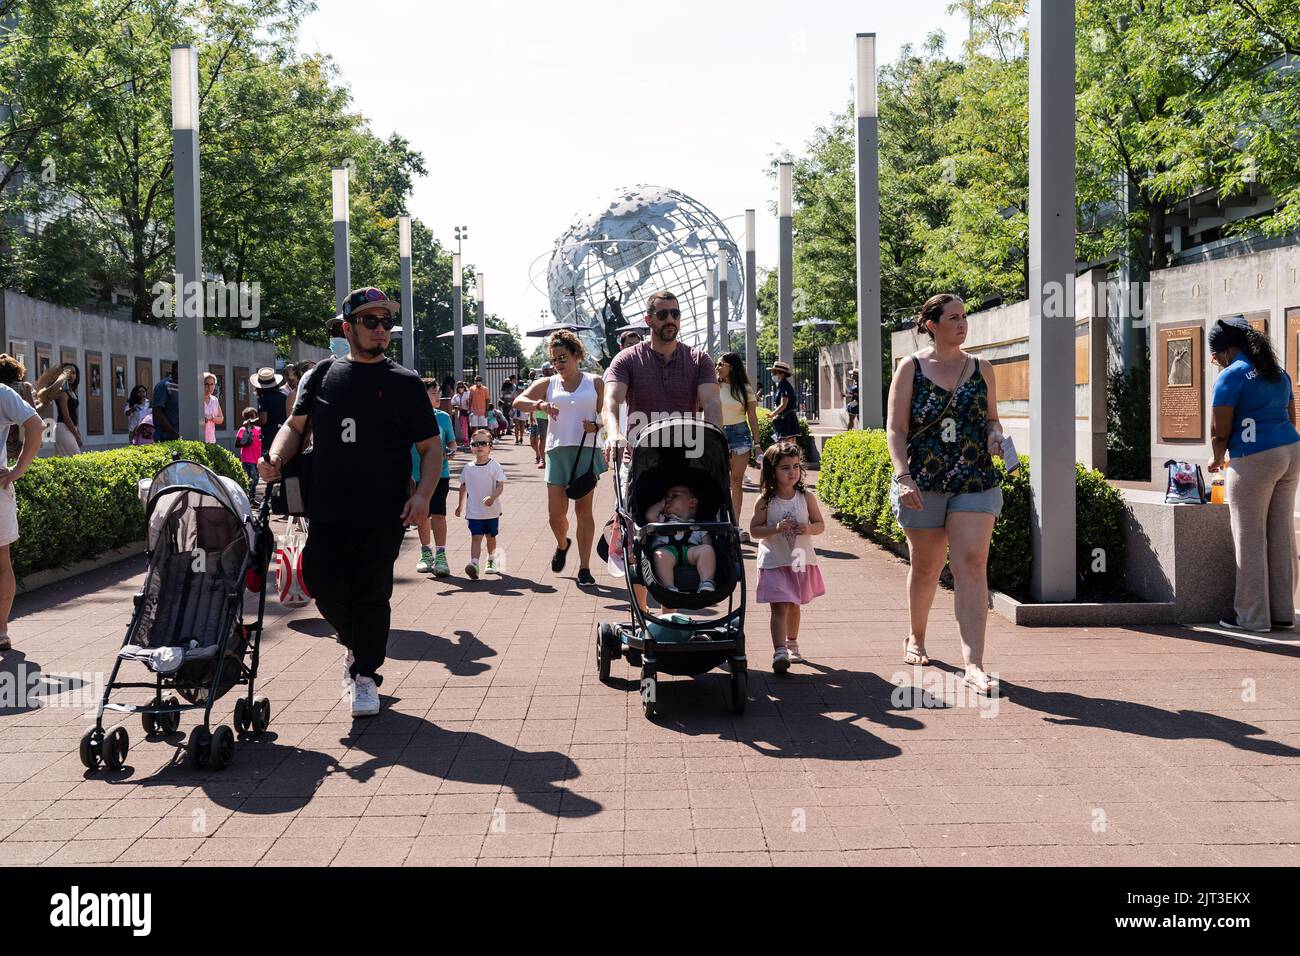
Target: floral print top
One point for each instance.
(950, 456)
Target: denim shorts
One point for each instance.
(739, 438)
(937, 505)
(487, 526)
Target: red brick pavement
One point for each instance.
(499, 746)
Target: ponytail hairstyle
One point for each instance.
(1260, 352)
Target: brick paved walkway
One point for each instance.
(499, 745)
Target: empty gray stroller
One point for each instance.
(189, 628)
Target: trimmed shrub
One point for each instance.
(75, 508)
(854, 483)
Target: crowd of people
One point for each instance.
(382, 449)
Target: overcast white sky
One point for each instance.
(529, 113)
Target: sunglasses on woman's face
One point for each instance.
(373, 322)
(559, 359)
(663, 314)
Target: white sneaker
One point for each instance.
(793, 648)
(365, 697)
(781, 660)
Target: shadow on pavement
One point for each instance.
(462, 657)
(293, 775)
(1143, 720)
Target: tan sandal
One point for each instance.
(913, 656)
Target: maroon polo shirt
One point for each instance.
(655, 384)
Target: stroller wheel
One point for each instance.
(739, 689)
(150, 724)
(242, 716)
(116, 746)
(261, 714)
(168, 723)
(92, 748)
(199, 748)
(649, 691)
(603, 658)
(223, 748)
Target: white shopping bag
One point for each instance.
(288, 565)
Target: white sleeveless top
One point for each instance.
(575, 407)
(779, 551)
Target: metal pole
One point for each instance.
(408, 298)
(868, 146)
(723, 337)
(785, 274)
(482, 326)
(342, 256)
(189, 246)
(1051, 297)
(708, 297)
(457, 320)
(751, 296)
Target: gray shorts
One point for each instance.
(937, 505)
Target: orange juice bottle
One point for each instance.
(1217, 488)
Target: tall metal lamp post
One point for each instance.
(408, 299)
(457, 320)
(189, 246)
(785, 275)
(868, 216)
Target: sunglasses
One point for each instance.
(480, 444)
(666, 313)
(373, 322)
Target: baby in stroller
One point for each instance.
(679, 548)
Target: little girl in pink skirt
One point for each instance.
(785, 519)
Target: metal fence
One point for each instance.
(805, 380)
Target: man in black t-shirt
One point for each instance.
(365, 412)
(271, 410)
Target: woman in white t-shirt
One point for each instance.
(572, 400)
(212, 414)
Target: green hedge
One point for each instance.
(854, 483)
(75, 508)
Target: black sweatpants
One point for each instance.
(349, 572)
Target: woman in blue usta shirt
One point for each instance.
(1254, 422)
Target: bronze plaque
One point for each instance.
(18, 349)
(118, 395)
(1081, 355)
(1181, 384)
(69, 357)
(94, 393)
(241, 390)
(144, 374)
(1293, 350)
(44, 359)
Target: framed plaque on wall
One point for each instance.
(1180, 383)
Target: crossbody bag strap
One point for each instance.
(946, 405)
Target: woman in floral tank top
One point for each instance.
(943, 434)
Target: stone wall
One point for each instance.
(114, 356)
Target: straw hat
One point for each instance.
(781, 367)
(266, 378)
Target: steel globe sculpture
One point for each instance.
(643, 239)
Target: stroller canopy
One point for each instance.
(182, 477)
(687, 450)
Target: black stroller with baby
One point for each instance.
(190, 627)
(690, 452)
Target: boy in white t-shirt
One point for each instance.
(481, 482)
